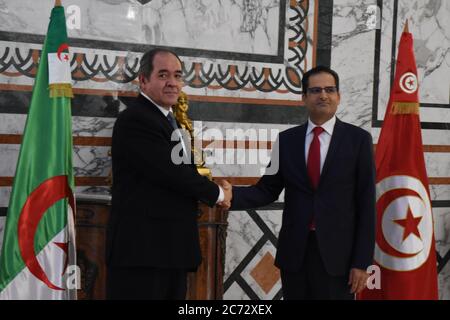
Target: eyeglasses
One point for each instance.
(318, 90)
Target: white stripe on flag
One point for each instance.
(59, 68)
(25, 286)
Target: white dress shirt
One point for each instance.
(165, 112)
(324, 139)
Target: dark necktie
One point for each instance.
(313, 164)
(172, 120)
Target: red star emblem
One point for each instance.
(64, 247)
(410, 224)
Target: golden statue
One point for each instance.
(180, 111)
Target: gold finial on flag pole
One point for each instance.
(57, 3)
(406, 29)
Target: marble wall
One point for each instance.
(243, 61)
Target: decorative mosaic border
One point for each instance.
(94, 62)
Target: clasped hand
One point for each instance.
(228, 194)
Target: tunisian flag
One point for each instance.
(405, 247)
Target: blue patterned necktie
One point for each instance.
(174, 124)
(172, 120)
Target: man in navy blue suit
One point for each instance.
(326, 168)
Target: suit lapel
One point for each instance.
(154, 109)
(302, 160)
(336, 138)
(164, 121)
(297, 169)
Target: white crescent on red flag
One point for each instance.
(405, 246)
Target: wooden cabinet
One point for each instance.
(91, 221)
(207, 282)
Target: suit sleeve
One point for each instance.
(266, 190)
(364, 243)
(145, 147)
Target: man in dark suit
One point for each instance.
(326, 167)
(152, 239)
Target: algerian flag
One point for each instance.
(38, 251)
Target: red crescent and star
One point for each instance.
(60, 50)
(36, 205)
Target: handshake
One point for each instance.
(228, 194)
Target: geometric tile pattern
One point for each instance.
(265, 273)
(255, 275)
(442, 260)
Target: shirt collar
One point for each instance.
(164, 111)
(327, 126)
